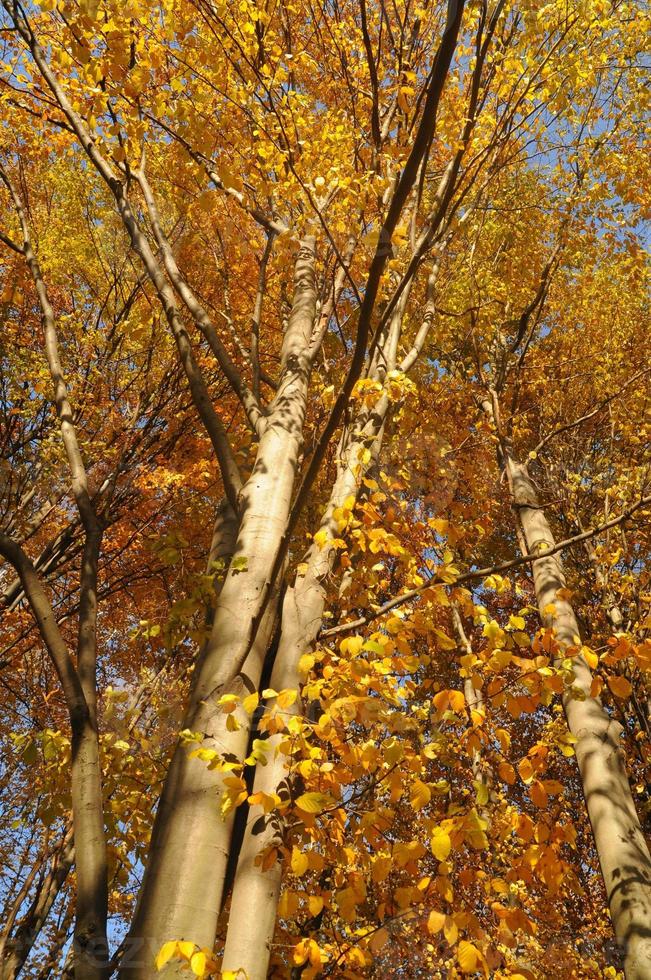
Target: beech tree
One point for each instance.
(326, 493)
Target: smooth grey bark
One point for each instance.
(622, 849)
(78, 682)
(255, 891)
(85, 781)
(482, 773)
(16, 945)
(184, 879)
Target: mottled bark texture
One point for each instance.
(182, 890)
(619, 840)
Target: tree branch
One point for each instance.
(584, 418)
(483, 572)
(196, 309)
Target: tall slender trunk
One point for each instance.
(256, 891)
(619, 840)
(79, 683)
(90, 945)
(183, 885)
(482, 773)
(90, 942)
(20, 944)
(91, 949)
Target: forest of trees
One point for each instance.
(325, 489)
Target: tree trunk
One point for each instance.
(90, 943)
(19, 946)
(619, 840)
(255, 891)
(482, 773)
(182, 889)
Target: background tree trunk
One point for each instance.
(619, 840)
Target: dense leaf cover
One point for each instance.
(321, 325)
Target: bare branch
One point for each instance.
(196, 309)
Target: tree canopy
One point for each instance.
(325, 489)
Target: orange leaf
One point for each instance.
(620, 686)
(507, 773)
(538, 794)
(526, 771)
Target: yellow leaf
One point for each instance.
(457, 701)
(590, 657)
(474, 829)
(314, 802)
(553, 787)
(501, 658)
(507, 773)
(286, 698)
(288, 905)
(517, 622)
(504, 739)
(321, 537)
(198, 963)
(482, 792)
(315, 904)
(250, 703)
(228, 702)
(620, 686)
(315, 957)
(436, 921)
(301, 952)
(266, 859)
(404, 852)
(185, 948)
(440, 843)
(315, 861)
(165, 953)
(380, 867)
(450, 930)
(441, 700)
(380, 938)
(229, 179)
(444, 642)
(596, 687)
(420, 795)
(235, 793)
(352, 645)
(299, 862)
(526, 771)
(268, 801)
(469, 957)
(494, 632)
(232, 724)
(538, 794)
